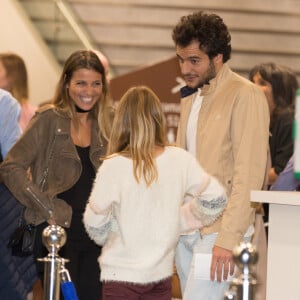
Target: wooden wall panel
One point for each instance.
(135, 33)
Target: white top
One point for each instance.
(192, 123)
(139, 225)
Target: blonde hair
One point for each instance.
(102, 111)
(17, 77)
(139, 125)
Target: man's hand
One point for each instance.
(222, 261)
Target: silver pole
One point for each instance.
(243, 287)
(51, 279)
(54, 237)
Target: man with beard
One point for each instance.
(224, 122)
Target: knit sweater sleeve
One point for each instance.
(205, 199)
(98, 217)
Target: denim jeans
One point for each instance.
(192, 287)
(184, 255)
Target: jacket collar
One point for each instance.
(63, 128)
(221, 77)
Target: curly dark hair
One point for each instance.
(209, 29)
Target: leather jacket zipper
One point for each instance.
(39, 201)
(43, 180)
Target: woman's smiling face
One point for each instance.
(85, 88)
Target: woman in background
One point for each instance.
(279, 84)
(62, 147)
(14, 78)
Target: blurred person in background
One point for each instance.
(10, 130)
(286, 180)
(105, 63)
(279, 83)
(17, 274)
(14, 78)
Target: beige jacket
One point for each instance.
(232, 145)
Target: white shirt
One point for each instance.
(192, 123)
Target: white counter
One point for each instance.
(283, 271)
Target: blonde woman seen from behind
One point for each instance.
(145, 194)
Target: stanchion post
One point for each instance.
(245, 257)
(54, 237)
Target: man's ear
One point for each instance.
(218, 58)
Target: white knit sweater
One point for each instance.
(139, 225)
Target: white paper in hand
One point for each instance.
(202, 267)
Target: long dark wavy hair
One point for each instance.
(284, 86)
